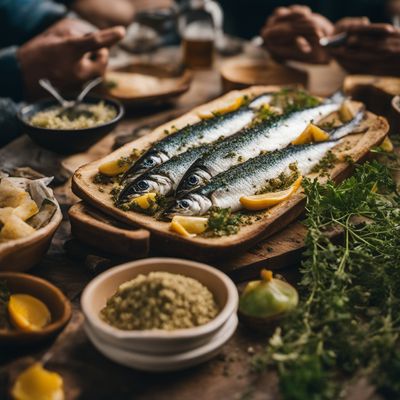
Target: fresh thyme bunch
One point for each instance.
(348, 322)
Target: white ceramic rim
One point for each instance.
(162, 361)
(96, 322)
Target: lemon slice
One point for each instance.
(188, 226)
(113, 167)
(265, 200)
(346, 113)
(28, 313)
(312, 133)
(387, 145)
(145, 201)
(222, 110)
(37, 383)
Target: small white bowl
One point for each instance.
(101, 288)
(166, 362)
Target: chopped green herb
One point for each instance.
(222, 222)
(290, 100)
(326, 163)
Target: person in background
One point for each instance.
(38, 40)
(104, 13)
(293, 33)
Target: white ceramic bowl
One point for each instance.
(105, 285)
(166, 362)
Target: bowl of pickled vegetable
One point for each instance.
(72, 130)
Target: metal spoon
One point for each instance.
(332, 41)
(70, 108)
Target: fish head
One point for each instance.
(193, 179)
(155, 183)
(146, 183)
(192, 204)
(151, 159)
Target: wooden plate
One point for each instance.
(238, 74)
(377, 93)
(22, 254)
(275, 219)
(144, 84)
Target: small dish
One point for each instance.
(239, 73)
(105, 285)
(147, 84)
(58, 304)
(166, 362)
(67, 141)
(22, 254)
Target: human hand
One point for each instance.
(67, 61)
(293, 33)
(369, 48)
(69, 27)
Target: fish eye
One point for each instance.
(184, 204)
(142, 185)
(193, 180)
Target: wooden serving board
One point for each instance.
(356, 146)
(97, 232)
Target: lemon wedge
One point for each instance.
(222, 110)
(188, 226)
(387, 145)
(27, 312)
(312, 133)
(113, 167)
(37, 383)
(346, 112)
(145, 201)
(265, 200)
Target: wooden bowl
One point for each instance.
(395, 116)
(22, 254)
(58, 304)
(133, 84)
(378, 94)
(238, 74)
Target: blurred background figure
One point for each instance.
(372, 44)
(38, 40)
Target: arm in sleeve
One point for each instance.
(10, 127)
(11, 84)
(20, 20)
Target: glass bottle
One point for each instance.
(198, 24)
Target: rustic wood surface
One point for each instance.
(87, 374)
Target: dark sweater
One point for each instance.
(20, 20)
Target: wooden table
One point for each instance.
(89, 375)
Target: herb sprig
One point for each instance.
(348, 322)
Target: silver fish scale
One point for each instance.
(251, 142)
(246, 179)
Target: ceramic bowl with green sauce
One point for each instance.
(157, 341)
